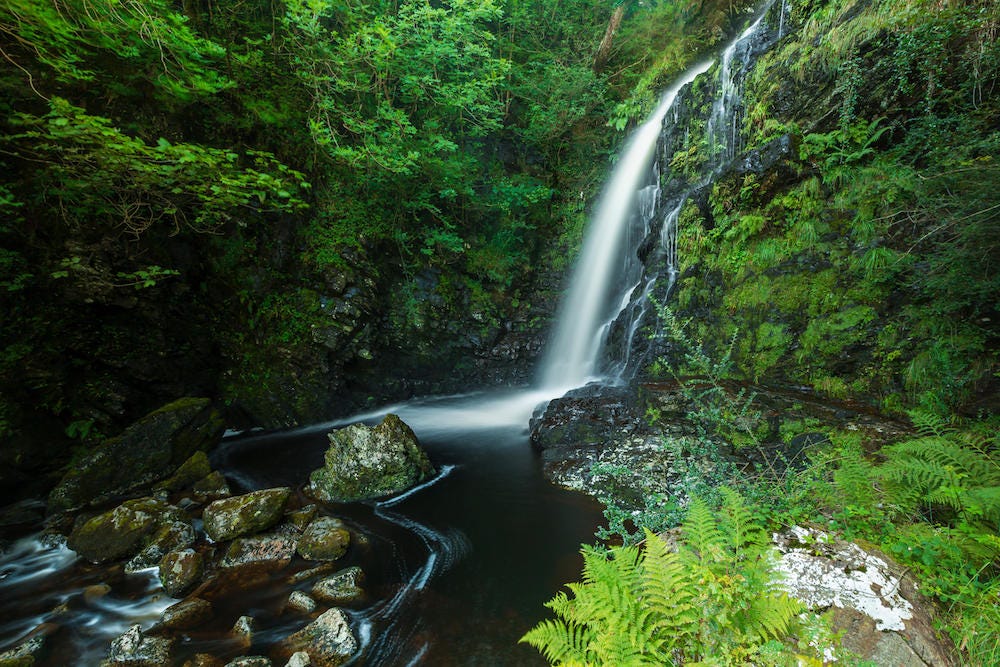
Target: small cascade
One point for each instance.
(781, 18)
(723, 123)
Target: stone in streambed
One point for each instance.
(124, 531)
(341, 587)
(132, 649)
(324, 539)
(246, 514)
(274, 551)
(190, 472)
(186, 614)
(212, 486)
(250, 661)
(300, 602)
(329, 640)
(180, 571)
(369, 462)
(168, 537)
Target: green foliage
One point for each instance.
(95, 172)
(712, 601)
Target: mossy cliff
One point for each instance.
(860, 259)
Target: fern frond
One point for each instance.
(702, 535)
(561, 643)
(930, 424)
(771, 616)
(746, 535)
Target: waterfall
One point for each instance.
(572, 357)
(608, 280)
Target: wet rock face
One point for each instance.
(148, 451)
(180, 571)
(136, 650)
(244, 515)
(369, 462)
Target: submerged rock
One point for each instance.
(147, 451)
(329, 640)
(368, 462)
(244, 515)
(325, 539)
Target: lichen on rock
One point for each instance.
(366, 462)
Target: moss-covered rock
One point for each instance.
(194, 469)
(149, 450)
(369, 462)
(340, 587)
(328, 640)
(124, 531)
(325, 539)
(246, 514)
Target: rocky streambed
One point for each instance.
(258, 578)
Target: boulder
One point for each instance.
(180, 571)
(132, 649)
(243, 629)
(368, 462)
(147, 451)
(329, 640)
(880, 614)
(325, 539)
(341, 587)
(124, 531)
(244, 515)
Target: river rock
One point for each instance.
(244, 515)
(368, 462)
(329, 640)
(211, 487)
(123, 531)
(300, 659)
(343, 586)
(275, 551)
(243, 629)
(301, 518)
(186, 614)
(27, 653)
(147, 451)
(168, 537)
(202, 660)
(325, 539)
(300, 602)
(133, 649)
(180, 571)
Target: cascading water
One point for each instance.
(587, 307)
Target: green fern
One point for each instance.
(946, 468)
(713, 601)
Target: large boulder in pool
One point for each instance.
(245, 515)
(369, 462)
(131, 528)
(149, 450)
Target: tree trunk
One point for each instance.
(609, 35)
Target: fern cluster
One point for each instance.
(713, 601)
